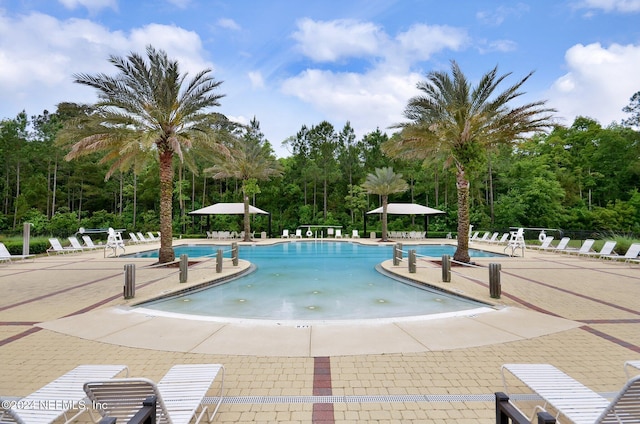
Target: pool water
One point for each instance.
(315, 281)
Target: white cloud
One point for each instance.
(333, 40)
(180, 44)
(502, 46)
(228, 24)
(421, 41)
(39, 55)
(364, 99)
(599, 83)
(624, 6)
(181, 4)
(501, 13)
(257, 81)
(376, 97)
(92, 6)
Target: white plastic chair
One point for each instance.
(180, 394)
(5, 255)
(89, 243)
(631, 364)
(606, 252)
(562, 245)
(57, 247)
(142, 238)
(574, 400)
(76, 244)
(63, 396)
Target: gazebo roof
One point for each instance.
(408, 209)
(227, 209)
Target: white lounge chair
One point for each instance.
(5, 255)
(179, 394)
(501, 240)
(632, 253)
(562, 245)
(575, 401)
(485, 237)
(151, 236)
(605, 252)
(631, 256)
(76, 244)
(338, 233)
(354, 234)
(285, 234)
(142, 238)
(88, 242)
(57, 247)
(584, 249)
(63, 396)
(493, 239)
(631, 364)
(546, 244)
(298, 233)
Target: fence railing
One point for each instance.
(506, 413)
(145, 415)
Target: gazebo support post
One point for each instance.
(365, 223)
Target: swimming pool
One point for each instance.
(315, 281)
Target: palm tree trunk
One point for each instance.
(247, 224)
(384, 218)
(135, 198)
(166, 253)
(462, 184)
(491, 211)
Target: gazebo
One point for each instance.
(406, 209)
(230, 209)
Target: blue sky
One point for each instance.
(291, 63)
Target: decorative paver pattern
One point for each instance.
(600, 295)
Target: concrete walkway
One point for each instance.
(578, 314)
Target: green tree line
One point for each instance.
(582, 177)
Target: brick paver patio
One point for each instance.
(434, 385)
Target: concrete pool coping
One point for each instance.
(120, 325)
(152, 330)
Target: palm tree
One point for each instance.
(462, 122)
(249, 160)
(384, 182)
(148, 109)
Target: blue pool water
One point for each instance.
(314, 281)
